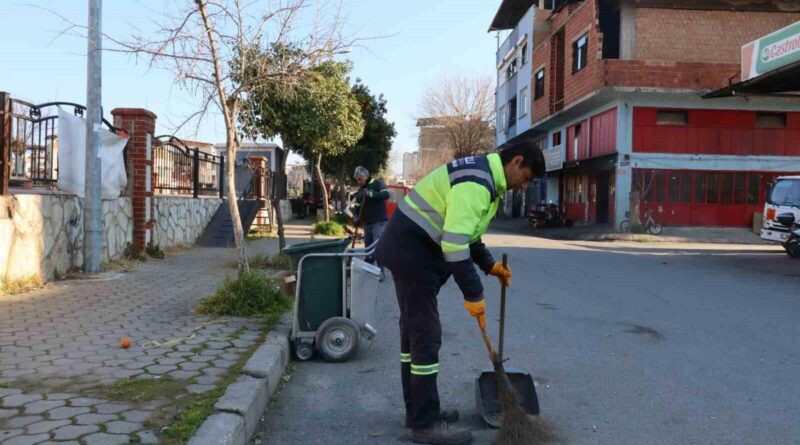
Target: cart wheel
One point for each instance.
(337, 339)
(303, 351)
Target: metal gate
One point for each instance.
(29, 141)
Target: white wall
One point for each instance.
(181, 220)
(505, 90)
(45, 234)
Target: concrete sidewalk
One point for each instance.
(602, 232)
(60, 343)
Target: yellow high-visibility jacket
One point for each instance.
(454, 205)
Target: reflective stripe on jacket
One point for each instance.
(456, 202)
(373, 193)
(454, 205)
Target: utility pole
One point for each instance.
(92, 205)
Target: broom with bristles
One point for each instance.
(518, 427)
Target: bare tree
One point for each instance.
(213, 48)
(641, 185)
(463, 108)
(427, 160)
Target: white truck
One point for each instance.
(783, 197)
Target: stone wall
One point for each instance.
(43, 233)
(179, 221)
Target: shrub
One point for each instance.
(132, 252)
(249, 295)
(328, 228)
(342, 219)
(154, 250)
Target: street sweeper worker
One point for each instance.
(435, 233)
(372, 195)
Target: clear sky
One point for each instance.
(427, 40)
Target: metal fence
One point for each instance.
(182, 170)
(29, 141)
(266, 184)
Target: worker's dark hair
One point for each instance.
(532, 157)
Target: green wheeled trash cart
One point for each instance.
(335, 299)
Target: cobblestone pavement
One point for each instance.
(65, 336)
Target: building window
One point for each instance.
(673, 188)
(523, 97)
(556, 139)
(576, 142)
(753, 182)
(501, 124)
(511, 70)
(539, 88)
(580, 51)
(525, 53)
(740, 188)
(726, 191)
(713, 189)
(672, 117)
(770, 120)
(700, 188)
(686, 188)
(512, 111)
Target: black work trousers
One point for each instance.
(419, 271)
(420, 340)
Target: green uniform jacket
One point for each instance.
(454, 205)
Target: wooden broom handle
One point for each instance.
(488, 343)
(502, 312)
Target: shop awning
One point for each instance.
(509, 14)
(782, 81)
(592, 164)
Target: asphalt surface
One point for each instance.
(629, 343)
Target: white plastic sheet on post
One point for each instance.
(72, 157)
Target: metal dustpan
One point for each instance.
(486, 385)
(487, 402)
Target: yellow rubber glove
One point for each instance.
(478, 310)
(502, 273)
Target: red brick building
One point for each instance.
(617, 100)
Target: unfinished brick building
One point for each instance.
(617, 104)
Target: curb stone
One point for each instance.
(238, 412)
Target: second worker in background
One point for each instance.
(369, 209)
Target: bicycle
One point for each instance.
(650, 225)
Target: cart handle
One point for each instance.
(364, 250)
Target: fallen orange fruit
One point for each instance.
(125, 342)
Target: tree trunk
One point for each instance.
(276, 204)
(233, 203)
(635, 204)
(324, 189)
(228, 107)
(343, 190)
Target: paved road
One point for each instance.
(630, 343)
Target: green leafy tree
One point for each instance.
(318, 117)
(373, 148)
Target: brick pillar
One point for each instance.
(140, 125)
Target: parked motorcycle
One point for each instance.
(545, 216)
(792, 243)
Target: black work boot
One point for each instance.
(448, 415)
(442, 433)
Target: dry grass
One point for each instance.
(18, 286)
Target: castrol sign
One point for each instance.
(771, 52)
